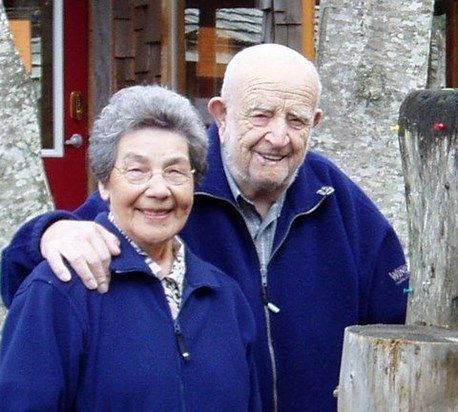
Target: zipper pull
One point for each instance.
(271, 306)
(180, 341)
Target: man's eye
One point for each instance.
(259, 119)
(297, 123)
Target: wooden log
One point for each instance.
(414, 367)
(428, 139)
(399, 368)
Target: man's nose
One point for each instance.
(278, 132)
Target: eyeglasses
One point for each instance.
(173, 175)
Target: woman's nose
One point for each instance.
(157, 186)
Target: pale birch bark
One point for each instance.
(23, 188)
(371, 53)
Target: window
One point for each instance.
(36, 27)
(213, 36)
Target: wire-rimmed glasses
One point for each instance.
(173, 175)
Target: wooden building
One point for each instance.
(80, 51)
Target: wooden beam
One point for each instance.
(173, 65)
(452, 43)
(308, 29)
(220, 4)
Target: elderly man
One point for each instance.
(310, 251)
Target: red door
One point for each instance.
(66, 167)
(52, 38)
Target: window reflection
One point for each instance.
(31, 23)
(213, 36)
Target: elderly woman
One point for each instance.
(173, 333)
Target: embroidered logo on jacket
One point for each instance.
(399, 274)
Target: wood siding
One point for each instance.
(137, 33)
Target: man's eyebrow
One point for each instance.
(261, 107)
(302, 114)
(306, 115)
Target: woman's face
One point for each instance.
(152, 212)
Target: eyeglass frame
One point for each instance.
(147, 176)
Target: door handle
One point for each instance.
(76, 105)
(76, 140)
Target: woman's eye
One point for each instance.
(136, 171)
(174, 172)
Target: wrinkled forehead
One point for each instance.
(281, 94)
(289, 76)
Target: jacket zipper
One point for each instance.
(180, 341)
(270, 307)
(324, 191)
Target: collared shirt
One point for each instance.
(172, 282)
(262, 231)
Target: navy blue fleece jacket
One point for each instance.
(336, 262)
(66, 348)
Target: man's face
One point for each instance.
(266, 131)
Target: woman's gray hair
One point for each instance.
(139, 107)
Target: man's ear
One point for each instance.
(104, 192)
(318, 116)
(217, 109)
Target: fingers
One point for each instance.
(85, 246)
(57, 265)
(98, 258)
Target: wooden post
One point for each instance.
(399, 368)
(428, 138)
(308, 29)
(414, 367)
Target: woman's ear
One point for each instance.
(104, 192)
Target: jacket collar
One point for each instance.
(305, 194)
(130, 261)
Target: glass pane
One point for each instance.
(31, 23)
(213, 36)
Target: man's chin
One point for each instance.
(269, 185)
(276, 183)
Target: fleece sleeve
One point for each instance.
(389, 283)
(21, 256)
(41, 352)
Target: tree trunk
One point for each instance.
(23, 189)
(371, 53)
(399, 368)
(428, 136)
(415, 367)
